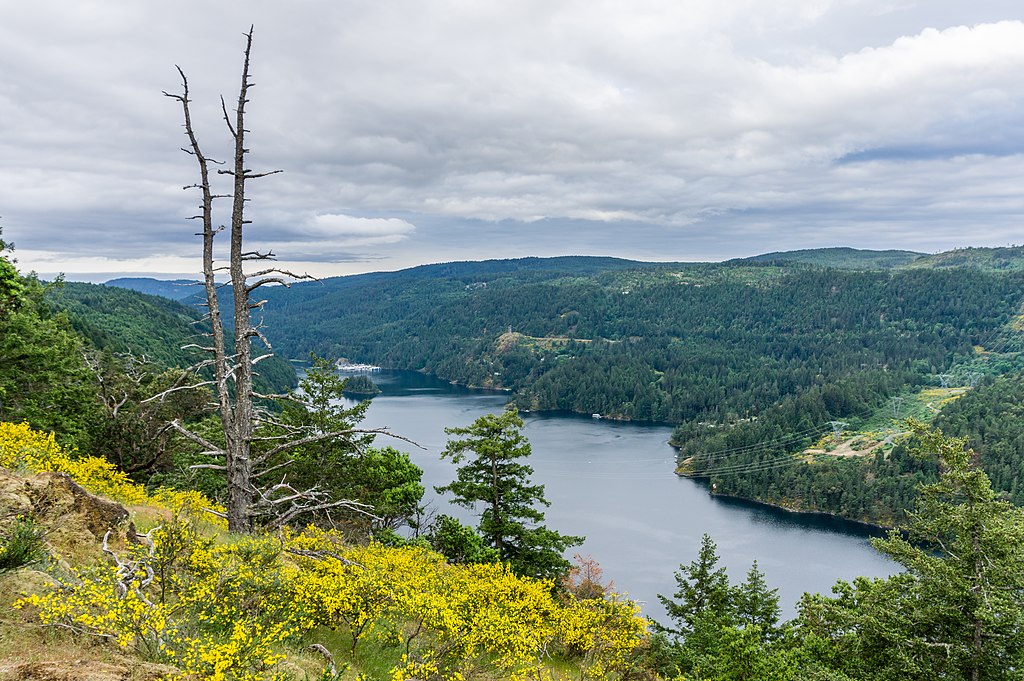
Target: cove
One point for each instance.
(614, 483)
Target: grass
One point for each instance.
(22, 545)
(885, 424)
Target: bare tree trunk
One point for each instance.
(248, 498)
(235, 412)
(239, 462)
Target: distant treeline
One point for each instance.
(701, 343)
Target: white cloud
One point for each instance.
(340, 225)
(399, 125)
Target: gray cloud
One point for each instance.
(425, 131)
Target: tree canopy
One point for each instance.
(493, 476)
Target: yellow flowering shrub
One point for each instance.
(235, 609)
(453, 621)
(601, 633)
(22, 448)
(97, 606)
(216, 612)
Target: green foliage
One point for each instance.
(12, 289)
(122, 321)
(345, 465)
(388, 481)
(175, 289)
(704, 594)
(724, 631)
(494, 477)
(751, 359)
(360, 386)
(1000, 259)
(44, 378)
(958, 610)
(991, 417)
(21, 545)
(669, 342)
(133, 432)
(183, 455)
(841, 258)
(459, 543)
(761, 459)
(151, 328)
(757, 605)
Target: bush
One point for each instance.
(22, 546)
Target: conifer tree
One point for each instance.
(511, 520)
(756, 604)
(704, 594)
(957, 611)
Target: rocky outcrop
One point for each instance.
(73, 517)
(84, 670)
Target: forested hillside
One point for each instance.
(672, 344)
(150, 327)
(175, 289)
(1002, 259)
(842, 258)
(752, 360)
(991, 417)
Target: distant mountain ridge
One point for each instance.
(841, 258)
(175, 289)
(999, 259)
(750, 358)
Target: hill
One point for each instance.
(1006, 259)
(842, 258)
(664, 343)
(131, 583)
(750, 359)
(175, 289)
(122, 321)
(757, 357)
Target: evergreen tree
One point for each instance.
(957, 611)
(510, 521)
(44, 378)
(704, 594)
(384, 479)
(965, 549)
(12, 289)
(756, 604)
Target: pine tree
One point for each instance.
(704, 594)
(756, 604)
(964, 548)
(511, 520)
(957, 611)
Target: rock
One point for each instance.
(73, 518)
(84, 670)
(100, 514)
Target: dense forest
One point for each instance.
(990, 417)
(750, 359)
(657, 344)
(119, 321)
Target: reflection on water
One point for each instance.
(613, 483)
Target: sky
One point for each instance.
(419, 131)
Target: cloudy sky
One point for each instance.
(437, 130)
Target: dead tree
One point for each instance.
(246, 459)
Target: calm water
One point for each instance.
(613, 483)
